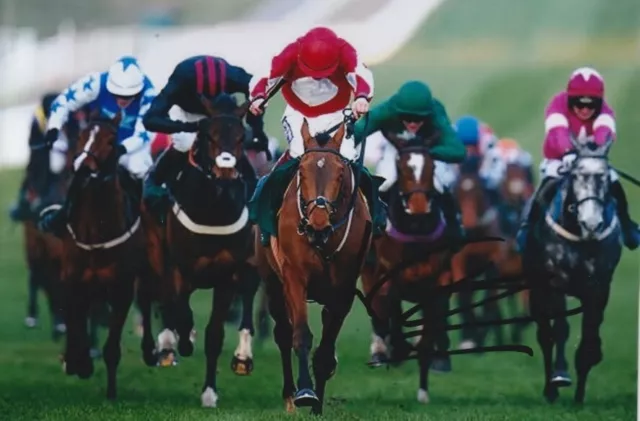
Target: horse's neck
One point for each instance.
(99, 208)
(207, 198)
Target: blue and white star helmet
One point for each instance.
(125, 77)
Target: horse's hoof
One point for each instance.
(560, 378)
(551, 394)
(209, 398)
(30, 322)
(85, 369)
(185, 348)
(241, 367)
(377, 360)
(167, 358)
(305, 398)
(441, 365)
(467, 344)
(423, 396)
(150, 358)
(289, 406)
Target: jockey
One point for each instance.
(192, 78)
(480, 140)
(37, 172)
(413, 112)
(319, 72)
(582, 112)
(124, 89)
(511, 153)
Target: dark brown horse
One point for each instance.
(323, 235)
(415, 239)
(103, 250)
(208, 242)
(480, 219)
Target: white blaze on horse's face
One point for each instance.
(590, 181)
(416, 163)
(87, 148)
(226, 160)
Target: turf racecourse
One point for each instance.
(496, 58)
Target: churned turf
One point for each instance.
(498, 58)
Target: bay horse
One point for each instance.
(323, 235)
(515, 190)
(574, 250)
(103, 250)
(208, 242)
(415, 241)
(480, 219)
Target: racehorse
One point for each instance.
(209, 241)
(515, 190)
(323, 236)
(480, 219)
(574, 251)
(103, 249)
(414, 255)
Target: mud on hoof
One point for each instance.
(305, 398)
(560, 378)
(167, 358)
(241, 367)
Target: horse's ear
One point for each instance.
(338, 137)
(308, 140)
(208, 106)
(242, 110)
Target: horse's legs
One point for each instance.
(324, 359)
(184, 323)
(144, 300)
(214, 338)
(263, 317)
(560, 376)
(76, 305)
(434, 326)
(589, 352)
(283, 336)
(381, 325)
(32, 303)
(51, 288)
(540, 311)
(242, 361)
(468, 333)
(295, 299)
(120, 299)
(441, 361)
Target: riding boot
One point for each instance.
(20, 210)
(451, 213)
(165, 170)
(53, 219)
(370, 186)
(630, 230)
(540, 199)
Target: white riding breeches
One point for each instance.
(182, 141)
(552, 168)
(293, 120)
(443, 176)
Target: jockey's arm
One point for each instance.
(448, 148)
(156, 118)
(141, 135)
(281, 64)
(370, 124)
(557, 139)
(357, 73)
(604, 126)
(76, 96)
(239, 81)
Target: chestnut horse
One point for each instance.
(480, 219)
(323, 236)
(516, 189)
(416, 240)
(208, 242)
(103, 250)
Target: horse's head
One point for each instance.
(96, 146)
(589, 180)
(516, 187)
(322, 187)
(219, 146)
(469, 192)
(415, 168)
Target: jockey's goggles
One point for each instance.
(127, 98)
(589, 102)
(412, 118)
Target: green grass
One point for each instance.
(510, 91)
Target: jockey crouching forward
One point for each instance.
(480, 140)
(582, 112)
(125, 90)
(179, 111)
(319, 73)
(413, 113)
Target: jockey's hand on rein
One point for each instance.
(51, 137)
